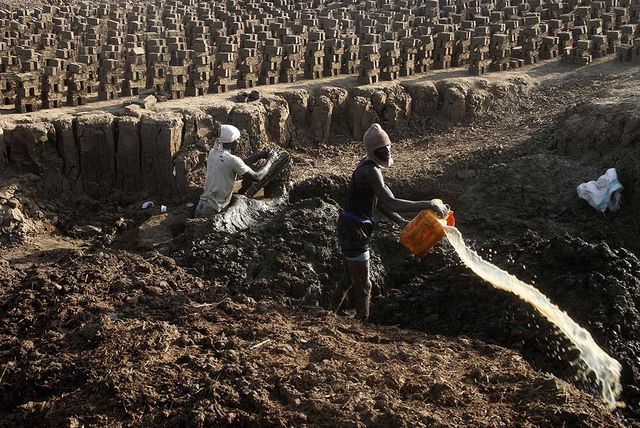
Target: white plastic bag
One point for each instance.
(603, 193)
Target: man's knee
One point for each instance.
(204, 210)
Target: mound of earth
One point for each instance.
(143, 342)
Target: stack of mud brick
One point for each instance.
(554, 26)
(513, 28)
(595, 28)
(629, 52)
(625, 48)
(581, 54)
(634, 13)
(89, 53)
(369, 71)
(479, 59)
(408, 51)
(389, 60)
(431, 10)
(179, 55)
(443, 49)
(177, 73)
(333, 53)
(248, 61)
(27, 92)
(424, 56)
(135, 79)
(157, 64)
(553, 9)
(190, 47)
(28, 82)
(600, 46)
(530, 39)
(613, 40)
(401, 25)
(224, 67)
(500, 52)
(53, 85)
(621, 17)
(76, 81)
(271, 62)
(7, 89)
(136, 20)
(67, 47)
(565, 43)
(292, 58)
(199, 68)
(110, 73)
(314, 56)
(351, 55)
(629, 32)
(461, 48)
(550, 47)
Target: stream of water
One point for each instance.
(606, 369)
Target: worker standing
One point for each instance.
(367, 191)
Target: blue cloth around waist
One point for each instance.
(355, 217)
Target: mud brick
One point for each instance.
(350, 67)
(584, 44)
(623, 52)
(583, 60)
(368, 49)
(531, 21)
(371, 38)
(368, 80)
(312, 74)
(516, 63)
(390, 60)
(389, 75)
(614, 38)
(288, 78)
(477, 70)
(502, 66)
(290, 63)
(408, 69)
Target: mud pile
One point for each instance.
(142, 341)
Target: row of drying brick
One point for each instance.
(189, 48)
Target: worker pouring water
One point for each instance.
(367, 192)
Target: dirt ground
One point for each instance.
(117, 316)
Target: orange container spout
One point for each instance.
(424, 232)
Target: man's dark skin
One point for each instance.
(252, 176)
(356, 273)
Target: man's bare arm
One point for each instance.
(254, 158)
(393, 216)
(262, 172)
(374, 177)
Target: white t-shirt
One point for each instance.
(222, 168)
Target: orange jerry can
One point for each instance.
(424, 231)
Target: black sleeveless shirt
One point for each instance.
(361, 199)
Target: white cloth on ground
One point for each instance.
(604, 193)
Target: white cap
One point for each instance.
(228, 133)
